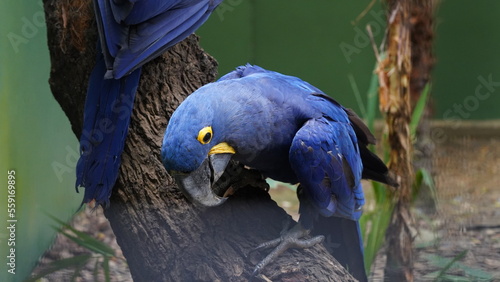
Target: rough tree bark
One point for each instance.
(403, 76)
(163, 237)
(394, 78)
(422, 60)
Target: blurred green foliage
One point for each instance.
(446, 265)
(35, 138)
(101, 254)
(376, 218)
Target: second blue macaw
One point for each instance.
(131, 33)
(290, 131)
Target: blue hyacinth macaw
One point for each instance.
(290, 131)
(131, 33)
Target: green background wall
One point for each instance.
(309, 39)
(35, 139)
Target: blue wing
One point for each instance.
(325, 157)
(134, 32)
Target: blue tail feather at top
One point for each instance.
(108, 108)
(134, 32)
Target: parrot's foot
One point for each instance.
(288, 239)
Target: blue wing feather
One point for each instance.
(110, 32)
(130, 12)
(134, 32)
(321, 154)
(151, 39)
(325, 157)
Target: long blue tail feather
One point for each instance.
(108, 108)
(344, 242)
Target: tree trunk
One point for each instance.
(394, 77)
(162, 235)
(422, 60)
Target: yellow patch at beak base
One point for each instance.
(221, 148)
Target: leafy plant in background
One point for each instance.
(447, 264)
(101, 253)
(423, 178)
(375, 221)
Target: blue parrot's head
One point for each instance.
(194, 151)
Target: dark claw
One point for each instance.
(288, 239)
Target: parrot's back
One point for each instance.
(266, 110)
(276, 106)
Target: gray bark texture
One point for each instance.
(162, 235)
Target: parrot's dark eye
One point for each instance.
(205, 135)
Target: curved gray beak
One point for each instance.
(197, 185)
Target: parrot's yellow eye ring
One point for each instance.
(205, 135)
